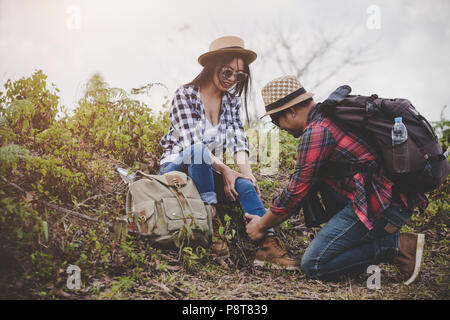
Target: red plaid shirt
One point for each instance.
(322, 141)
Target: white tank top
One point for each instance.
(210, 132)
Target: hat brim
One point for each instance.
(289, 104)
(249, 55)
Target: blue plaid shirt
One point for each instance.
(188, 123)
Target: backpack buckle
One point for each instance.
(370, 109)
(174, 181)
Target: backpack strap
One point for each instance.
(343, 169)
(438, 157)
(175, 182)
(370, 110)
(327, 107)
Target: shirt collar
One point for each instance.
(228, 95)
(313, 113)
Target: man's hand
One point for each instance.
(253, 227)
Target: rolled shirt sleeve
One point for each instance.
(314, 148)
(184, 118)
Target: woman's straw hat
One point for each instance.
(228, 44)
(282, 93)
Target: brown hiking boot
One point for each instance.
(272, 254)
(410, 252)
(219, 247)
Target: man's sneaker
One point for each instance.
(219, 247)
(272, 254)
(410, 252)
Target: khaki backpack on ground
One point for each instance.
(162, 206)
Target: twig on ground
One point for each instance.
(164, 288)
(91, 198)
(66, 211)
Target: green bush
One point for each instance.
(49, 156)
(29, 106)
(110, 122)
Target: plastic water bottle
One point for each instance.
(400, 146)
(126, 176)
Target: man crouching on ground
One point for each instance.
(357, 236)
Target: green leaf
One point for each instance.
(45, 230)
(189, 232)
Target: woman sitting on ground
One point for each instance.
(206, 121)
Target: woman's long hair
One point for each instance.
(220, 60)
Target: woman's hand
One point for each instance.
(242, 161)
(229, 180)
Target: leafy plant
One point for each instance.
(442, 128)
(122, 284)
(66, 158)
(185, 234)
(29, 106)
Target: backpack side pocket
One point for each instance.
(144, 216)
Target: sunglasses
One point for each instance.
(227, 73)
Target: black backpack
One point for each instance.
(372, 118)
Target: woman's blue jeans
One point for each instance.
(196, 162)
(344, 246)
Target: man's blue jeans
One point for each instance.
(196, 162)
(344, 246)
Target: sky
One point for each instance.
(406, 47)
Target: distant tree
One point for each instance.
(313, 55)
